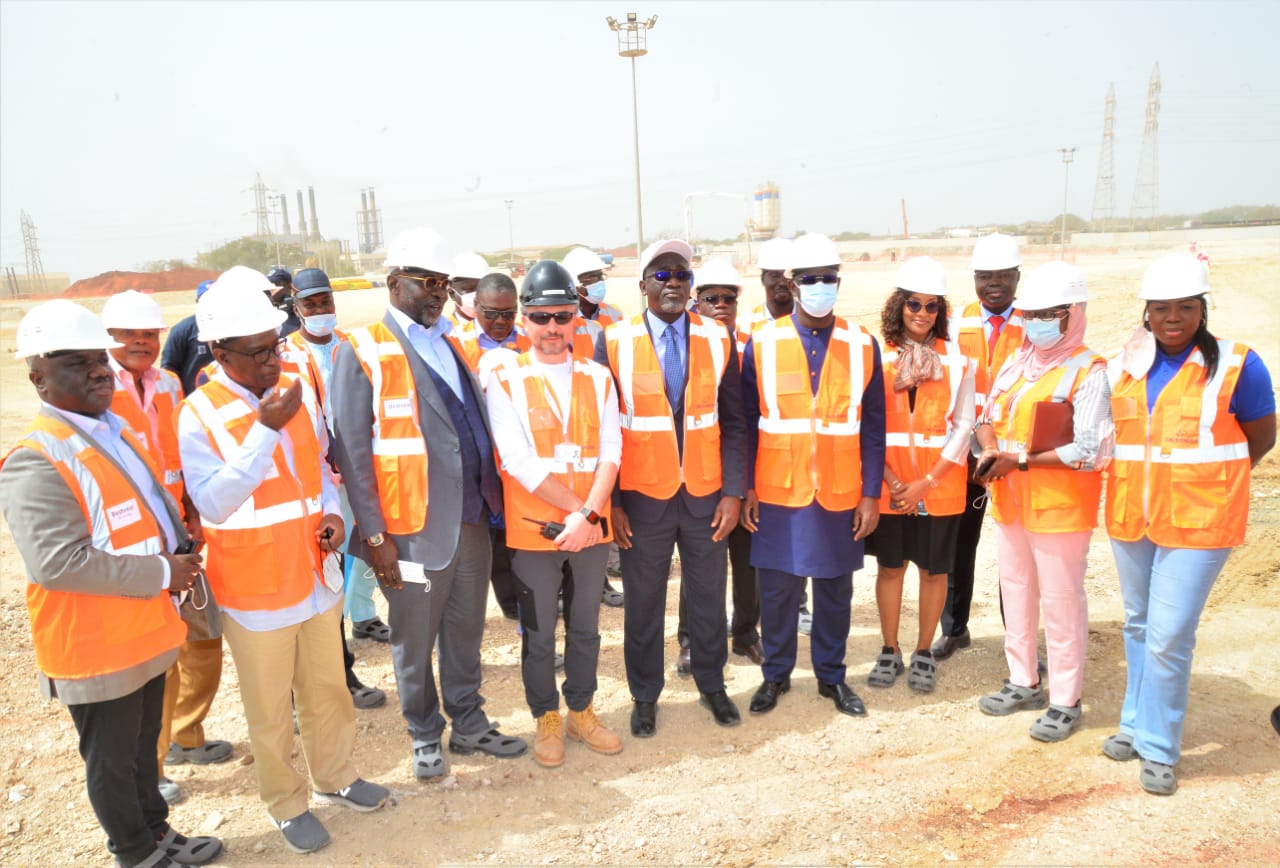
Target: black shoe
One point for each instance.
(644, 719)
(684, 664)
(722, 708)
(948, 645)
(766, 696)
(847, 702)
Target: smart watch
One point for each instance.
(1022, 461)
(590, 515)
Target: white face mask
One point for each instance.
(1043, 333)
(467, 304)
(818, 300)
(321, 325)
(595, 291)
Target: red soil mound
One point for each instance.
(111, 282)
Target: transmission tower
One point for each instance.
(1104, 192)
(31, 248)
(1146, 192)
(260, 207)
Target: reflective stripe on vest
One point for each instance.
(914, 439)
(80, 636)
(810, 445)
(265, 555)
(968, 331)
(399, 447)
(1180, 473)
(542, 418)
(1043, 499)
(649, 448)
(166, 398)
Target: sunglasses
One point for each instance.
(429, 281)
(1046, 315)
(664, 276)
(811, 279)
(541, 317)
(713, 300)
(914, 306)
(490, 314)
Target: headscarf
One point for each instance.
(1031, 363)
(917, 363)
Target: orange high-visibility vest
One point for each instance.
(1180, 474)
(399, 447)
(161, 439)
(265, 555)
(968, 331)
(810, 445)
(298, 360)
(468, 337)
(87, 635)
(759, 314)
(914, 440)
(542, 417)
(650, 454)
(1043, 499)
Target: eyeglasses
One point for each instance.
(260, 357)
(429, 281)
(811, 279)
(1048, 314)
(664, 276)
(490, 314)
(713, 300)
(914, 306)
(541, 317)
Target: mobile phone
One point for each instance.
(983, 466)
(186, 547)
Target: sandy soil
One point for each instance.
(921, 779)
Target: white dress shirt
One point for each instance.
(432, 347)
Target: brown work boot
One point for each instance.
(548, 744)
(585, 727)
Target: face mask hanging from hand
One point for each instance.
(321, 325)
(595, 291)
(1042, 333)
(818, 300)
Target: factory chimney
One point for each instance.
(374, 223)
(302, 219)
(284, 213)
(315, 224)
(366, 244)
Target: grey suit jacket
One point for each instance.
(351, 394)
(48, 528)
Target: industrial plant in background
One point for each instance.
(767, 212)
(306, 245)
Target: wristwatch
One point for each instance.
(376, 540)
(1022, 461)
(590, 515)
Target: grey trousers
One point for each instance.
(538, 578)
(452, 610)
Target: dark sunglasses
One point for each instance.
(429, 281)
(914, 306)
(541, 317)
(713, 300)
(664, 276)
(811, 279)
(490, 314)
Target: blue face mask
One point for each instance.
(321, 325)
(818, 300)
(1042, 333)
(595, 291)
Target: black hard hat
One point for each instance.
(280, 276)
(548, 283)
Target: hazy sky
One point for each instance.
(132, 131)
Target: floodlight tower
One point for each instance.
(1146, 192)
(633, 37)
(1104, 192)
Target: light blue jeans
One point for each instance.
(1164, 592)
(358, 588)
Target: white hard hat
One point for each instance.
(420, 248)
(580, 261)
(132, 310)
(1049, 285)
(236, 306)
(923, 275)
(667, 245)
(471, 265)
(716, 272)
(812, 251)
(775, 255)
(1178, 275)
(996, 252)
(61, 325)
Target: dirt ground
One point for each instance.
(920, 780)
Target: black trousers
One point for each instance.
(955, 612)
(118, 744)
(745, 629)
(501, 576)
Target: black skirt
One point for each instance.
(928, 541)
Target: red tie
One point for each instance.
(996, 322)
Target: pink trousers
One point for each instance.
(1046, 568)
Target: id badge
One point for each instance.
(568, 453)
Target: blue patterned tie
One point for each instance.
(672, 370)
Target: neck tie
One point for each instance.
(672, 370)
(996, 322)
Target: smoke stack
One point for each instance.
(315, 224)
(366, 243)
(302, 218)
(374, 223)
(284, 214)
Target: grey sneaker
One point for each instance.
(887, 668)
(359, 795)
(1013, 698)
(428, 761)
(304, 833)
(490, 741)
(210, 752)
(171, 792)
(1057, 723)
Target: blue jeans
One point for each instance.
(357, 587)
(1164, 592)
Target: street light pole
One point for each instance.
(511, 238)
(1068, 154)
(633, 43)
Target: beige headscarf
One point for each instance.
(917, 363)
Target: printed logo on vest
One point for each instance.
(124, 514)
(397, 408)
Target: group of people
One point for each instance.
(282, 466)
